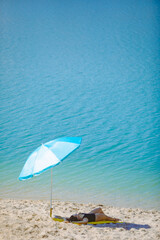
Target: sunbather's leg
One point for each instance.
(97, 210)
(103, 217)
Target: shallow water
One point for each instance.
(89, 69)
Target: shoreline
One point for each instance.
(29, 219)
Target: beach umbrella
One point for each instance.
(47, 156)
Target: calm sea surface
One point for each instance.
(82, 68)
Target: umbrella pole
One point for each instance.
(51, 193)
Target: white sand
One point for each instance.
(26, 219)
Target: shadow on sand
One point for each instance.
(124, 225)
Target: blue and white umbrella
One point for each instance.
(47, 156)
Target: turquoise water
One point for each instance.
(89, 69)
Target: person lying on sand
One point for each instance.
(95, 215)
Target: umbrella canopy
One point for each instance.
(48, 155)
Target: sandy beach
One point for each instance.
(28, 219)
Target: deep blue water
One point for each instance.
(89, 69)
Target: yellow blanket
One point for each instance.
(61, 219)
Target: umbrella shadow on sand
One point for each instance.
(126, 226)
